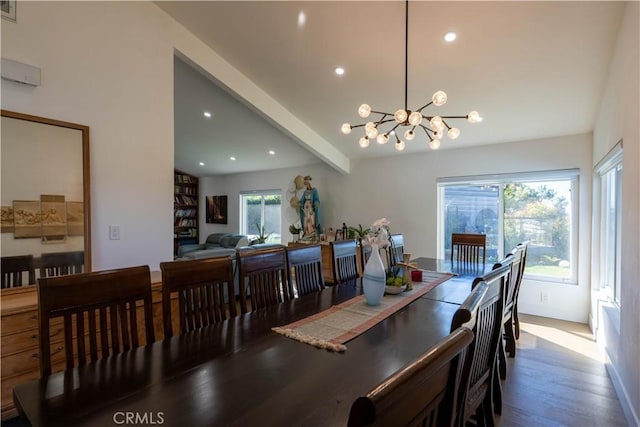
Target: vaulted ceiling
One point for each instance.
(532, 70)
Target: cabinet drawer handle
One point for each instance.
(34, 317)
(55, 333)
(56, 351)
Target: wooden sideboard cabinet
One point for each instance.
(19, 356)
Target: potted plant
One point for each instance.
(359, 232)
(295, 232)
(262, 238)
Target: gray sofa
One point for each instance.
(217, 244)
(222, 244)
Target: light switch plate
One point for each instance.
(114, 232)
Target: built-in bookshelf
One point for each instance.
(185, 210)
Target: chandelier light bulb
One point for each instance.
(439, 98)
(346, 128)
(409, 135)
(364, 110)
(415, 118)
(436, 123)
(434, 144)
(364, 142)
(400, 145)
(453, 133)
(400, 116)
(382, 139)
(474, 117)
(437, 134)
(371, 132)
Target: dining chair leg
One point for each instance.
(509, 338)
(516, 321)
(496, 392)
(502, 360)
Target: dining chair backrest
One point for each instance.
(395, 250)
(479, 367)
(61, 263)
(422, 393)
(345, 263)
(365, 253)
(14, 270)
(100, 312)
(205, 292)
(468, 249)
(263, 278)
(305, 268)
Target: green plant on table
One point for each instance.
(359, 232)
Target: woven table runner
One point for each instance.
(332, 328)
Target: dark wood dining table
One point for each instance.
(239, 372)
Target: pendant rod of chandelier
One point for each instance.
(435, 127)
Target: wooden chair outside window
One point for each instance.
(423, 393)
(205, 292)
(345, 263)
(305, 269)
(263, 278)
(468, 251)
(17, 271)
(61, 263)
(482, 312)
(100, 314)
(396, 250)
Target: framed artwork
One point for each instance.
(216, 211)
(26, 219)
(6, 226)
(8, 8)
(75, 218)
(54, 218)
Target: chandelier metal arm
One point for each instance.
(435, 127)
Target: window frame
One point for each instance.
(244, 227)
(611, 163)
(571, 175)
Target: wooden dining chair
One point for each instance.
(100, 312)
(468, 251)
(305, 269)
(516, 321)
(396, 250)
(14, 269)
(423, 393)
(345, 263)
(365, 253)
(205, 292)
(60, 263)
(263, 278)
(482, 312)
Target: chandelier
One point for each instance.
(433, 126)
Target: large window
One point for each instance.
(609, 174)
(260, 214)
(534, 207)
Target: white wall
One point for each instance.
(403, 189)
(109, 66)
(619, 119)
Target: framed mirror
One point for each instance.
(45, 198)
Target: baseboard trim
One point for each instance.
(623, 397)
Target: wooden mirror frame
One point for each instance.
(86, 175)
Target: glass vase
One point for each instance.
(374, 278)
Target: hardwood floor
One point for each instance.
(558, 378)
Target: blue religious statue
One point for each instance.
(310, 211)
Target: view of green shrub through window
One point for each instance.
(261, 214)
(536, 210)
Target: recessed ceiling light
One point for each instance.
(207, 114)
(302, 19)
(201, 163)
(450, 36)
(232, 158)
(272, 152)
(339, 71)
